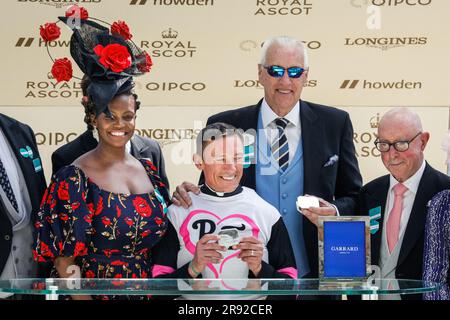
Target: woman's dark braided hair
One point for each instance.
(89, 106)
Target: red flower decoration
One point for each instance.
(114, 56)
(121, 28)
(50, 31)
(44, 197)
(90, 274)
(63, 217)
(106, 221)
(90, 207)
(37, 257)
(88, 218)
(109, 252)
(99, 208)
(80, 249)
(77, 12)
(119, 263)
(142, 207)
(62, 70)
(63, 191)
(146, 64)
(159, 221)
(75, 206)
(146, 233)
(128, 221)
(45, 251)
(119, 212)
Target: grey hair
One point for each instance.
(286, 42)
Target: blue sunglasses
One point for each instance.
(278, 72)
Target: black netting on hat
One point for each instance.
(105, 83)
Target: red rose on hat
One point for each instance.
(114, 56)
(62, 69)
(146, 65)
(77, 12)
(50, 31)
(122, 29)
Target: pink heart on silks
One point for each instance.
(184, 232)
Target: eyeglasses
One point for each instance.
(400, 146)
(278, 72)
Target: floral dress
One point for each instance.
(110, 235)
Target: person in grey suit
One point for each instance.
(22, 185)
(139, 147)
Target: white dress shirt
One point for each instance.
(292, 131)
(408, 200)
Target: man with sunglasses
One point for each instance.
(300, 148)
(397, 202)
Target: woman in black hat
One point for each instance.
(105, 211)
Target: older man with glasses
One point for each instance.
(397, 202)
(300, 148)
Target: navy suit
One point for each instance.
(374, 194)
(325, 132)
(140, 148)
(19, 136)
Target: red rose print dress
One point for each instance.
(109, 234)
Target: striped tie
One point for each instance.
(6, 186)
(280, 147)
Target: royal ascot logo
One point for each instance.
(364, 141)
(170, 46)
(385, 43)
(380, 85)
(255, 84)
(198, 3)
(43, 89)
(58, 4)
(250, 45)
(283, 7)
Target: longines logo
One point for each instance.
(385, 43)
(257, 85)
(59, 3)
(250, 45)
(164, 136)
(364, 141)
(283, 7)
(170, 46)
(51, 89)
(200, 3)
(381, 85)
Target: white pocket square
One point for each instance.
(331, 161)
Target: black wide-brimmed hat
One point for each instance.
(107, 56)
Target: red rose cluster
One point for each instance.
(115, 57)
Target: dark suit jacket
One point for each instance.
(19, 136)
(374, 194)
(140, 148)
(326, 132)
